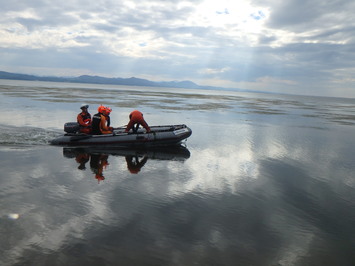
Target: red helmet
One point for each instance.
(108, 110)
(101, 109)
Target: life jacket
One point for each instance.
(86, 117)
(95, 124)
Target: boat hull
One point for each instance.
(159, 136)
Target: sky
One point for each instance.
(289, 46)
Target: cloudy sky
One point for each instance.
(291, 46)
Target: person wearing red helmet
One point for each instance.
(136, 119)
(84, 119)
(99, 121)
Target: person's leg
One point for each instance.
(135, 128)
(130, 125)
(145, 125)
(85, 130)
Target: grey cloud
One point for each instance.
(154, 19)
(327, 46)
(51, 17)
(30, 24)
(20, 5)
(265, 40)
(106, 27)
(301, 15)
(336, 34)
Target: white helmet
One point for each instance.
(84, 105)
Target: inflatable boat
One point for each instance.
(167, 135)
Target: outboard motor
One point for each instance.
(71, 127)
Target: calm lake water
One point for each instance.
(263, 180)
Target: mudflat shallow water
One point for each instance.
(263, 180)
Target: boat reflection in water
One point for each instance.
(97, 157)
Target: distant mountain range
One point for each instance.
(113, 81)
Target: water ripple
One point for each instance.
(25, 136)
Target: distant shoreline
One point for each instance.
(87, 79)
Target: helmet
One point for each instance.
(101, 109)
(84, 105)
(108, 110)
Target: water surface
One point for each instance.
(263, 180)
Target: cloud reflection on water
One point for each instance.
(245, 196)
(261, 186)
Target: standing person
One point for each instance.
(99, 122)
(84, 119)
(136, 118)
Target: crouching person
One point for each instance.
(136, 119)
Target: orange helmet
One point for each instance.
(108, 110)
(101, 109)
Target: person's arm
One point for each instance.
(81, 121)
(104, 128)
(88, 121)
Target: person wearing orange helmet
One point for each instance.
(84, 119)
(136, 119)
(99, 121)
(107, 116)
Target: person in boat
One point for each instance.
(136, 119)
(84, 119)
(107, 116)
(99, 121)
